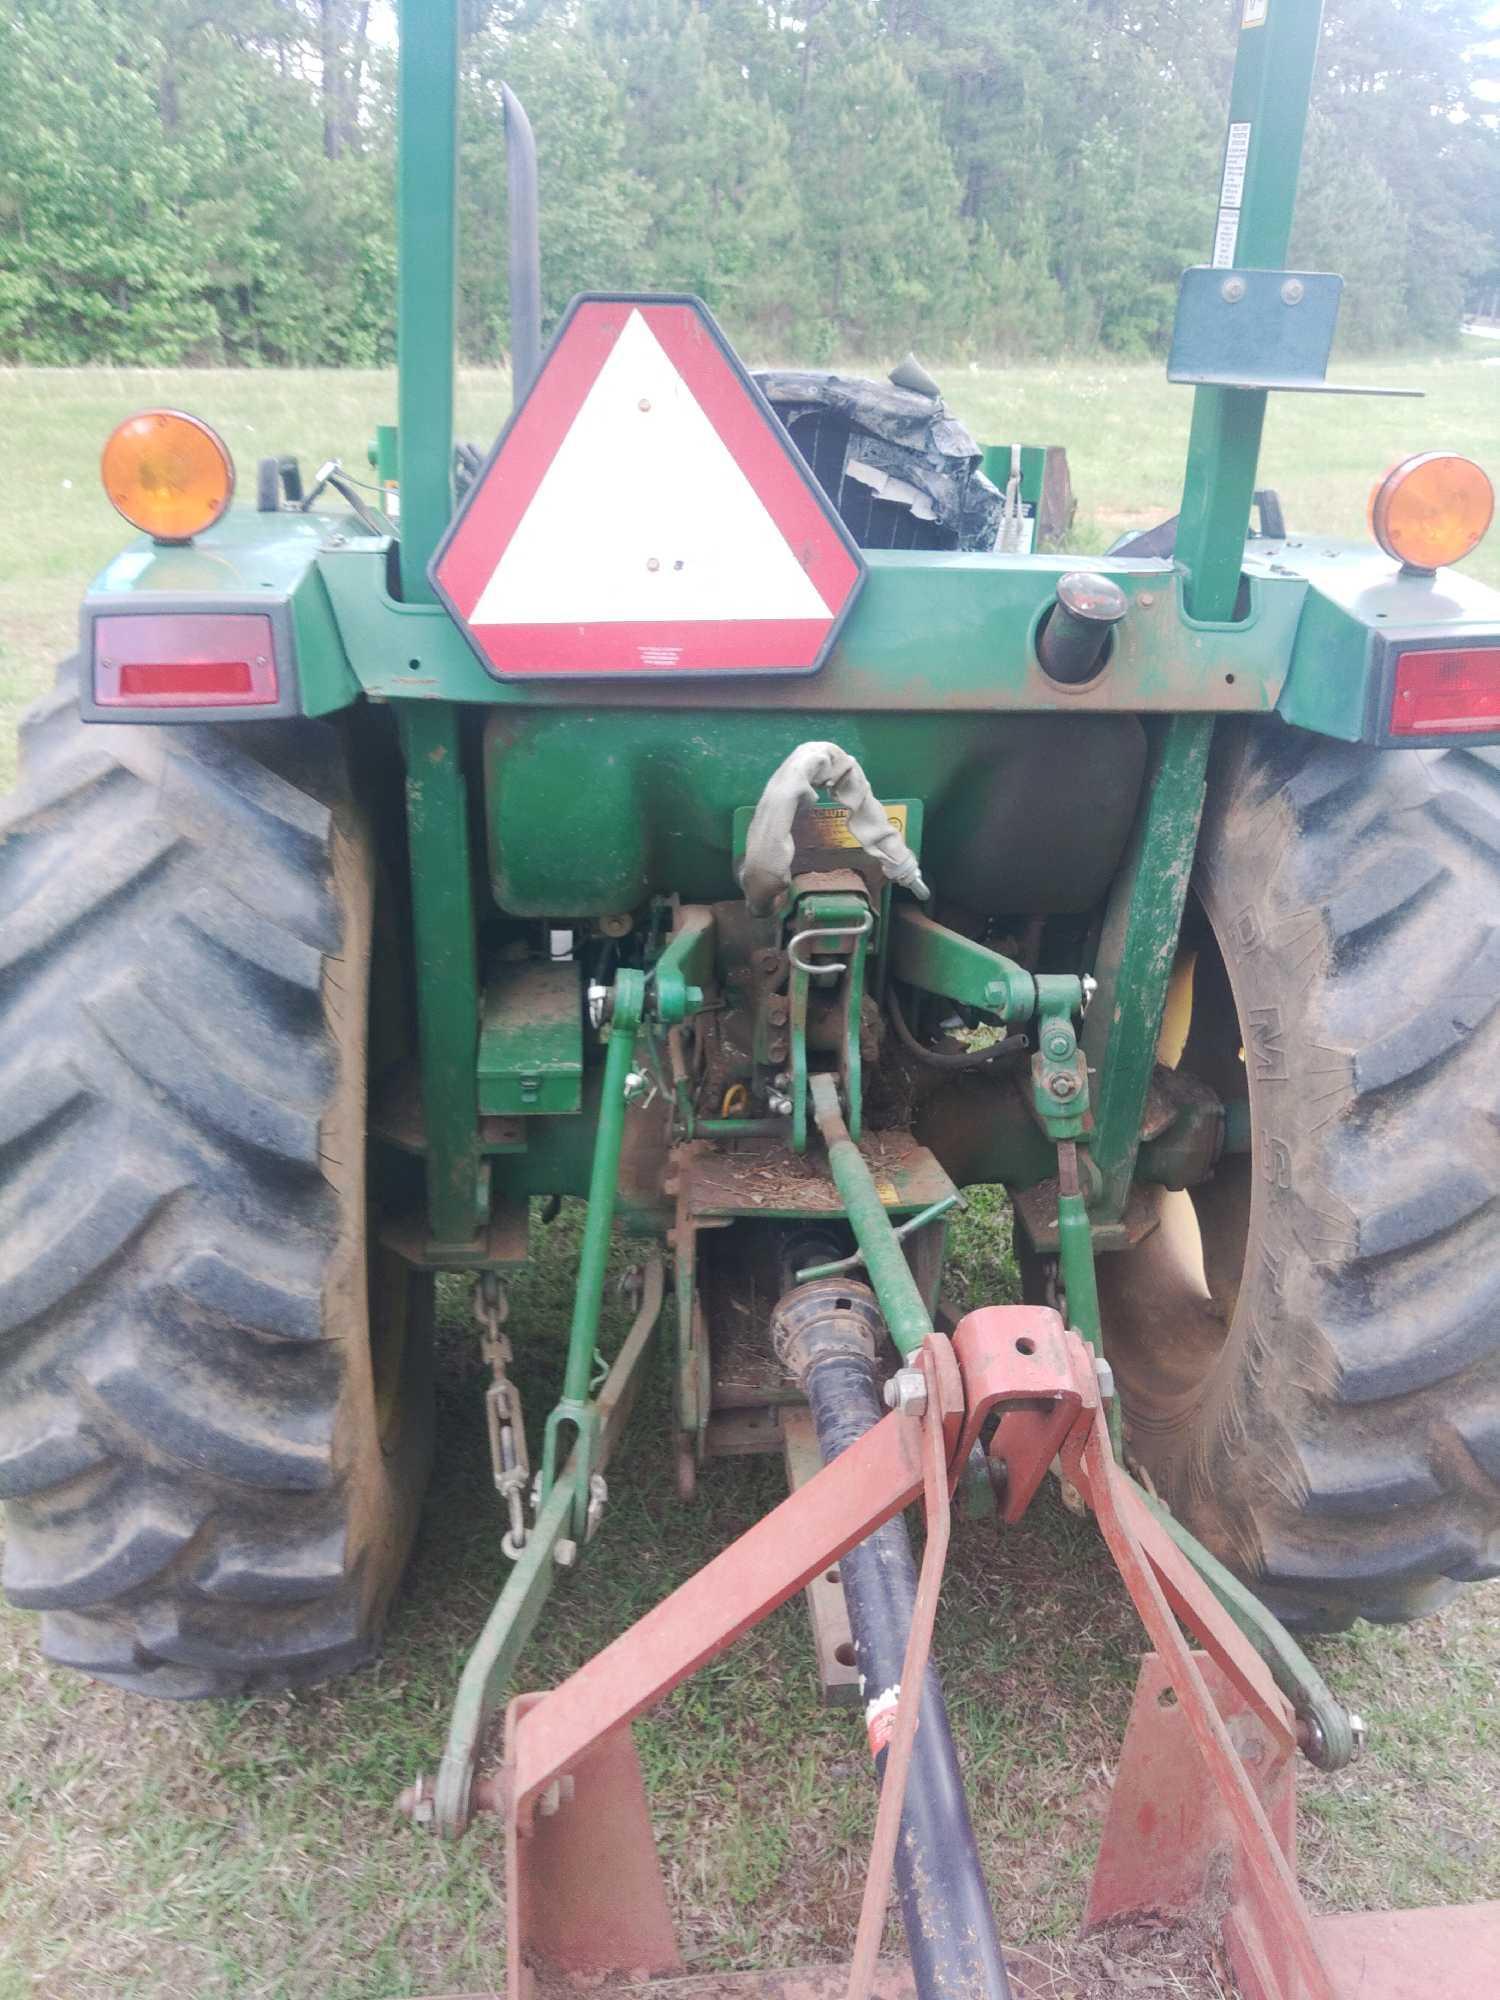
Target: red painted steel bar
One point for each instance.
(1266, 1882)
(873, 1481)
(909, 1704)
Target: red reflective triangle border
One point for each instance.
(498, 502)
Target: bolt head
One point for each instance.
(1060, 1045)
(906, 1392)
(416, 1802)
(1063, 1085)
(1293, 292)
(1359, 1730)
(565, 1555)
(1232, 291)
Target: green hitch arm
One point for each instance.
(927, 954)
(684, 968)
(1075, 1258)
(574, 1408)
(912, 1224)
(901, 1303)
(487, 1674)
(1330, 1741)
(1060, 1094)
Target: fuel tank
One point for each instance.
(592, 811)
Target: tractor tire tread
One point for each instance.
(197, 1499)
(1345, 1453)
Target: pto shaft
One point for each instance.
(826, 1332)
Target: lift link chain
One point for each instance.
(502, 1409)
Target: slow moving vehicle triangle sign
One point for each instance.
(645, 513)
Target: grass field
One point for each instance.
(252, 1849)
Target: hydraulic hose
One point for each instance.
(946, 1059)
(950, 1929)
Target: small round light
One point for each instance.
(168, 474)
(1432, 509)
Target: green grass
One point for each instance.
(1124, 425)
(252, 1850)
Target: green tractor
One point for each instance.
(710, 805)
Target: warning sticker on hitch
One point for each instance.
(828, 825)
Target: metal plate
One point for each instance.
(773, 1181)
(1245, 329)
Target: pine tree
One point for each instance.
(893, 257)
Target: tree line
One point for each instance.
(213, 180)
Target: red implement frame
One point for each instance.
(1203, 1807)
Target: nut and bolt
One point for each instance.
(565, 1554)
(417, 1803)
(1311, 1741)
(1359, 1734)
(1106, 1376)
(906, 1392)
(637, 1085)
(558, 1793)
(1088, 983)
(1063, 1085)
(778, 1104)
(597, 995)
(1060, 1044)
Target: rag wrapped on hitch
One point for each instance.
(766, 871)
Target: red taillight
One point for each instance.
(1451, 692)
(185, 660)
(181, 680)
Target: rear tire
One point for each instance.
(1308, 1348)
(212, 1463)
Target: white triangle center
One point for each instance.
(644, 516)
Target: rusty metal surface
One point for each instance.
(1167, 1827)
(1051, 1387)
(590, 1896)
(773, 1181)
(1203, 1806)
(1268, 1907)
(1444, 1954)
(833, 1639)
(502, 1244)
(893, 1981)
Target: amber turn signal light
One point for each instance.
(168, 474)
(1432, 509)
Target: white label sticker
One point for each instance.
(1255, 13)
(1225, 238)
(1236, 153)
